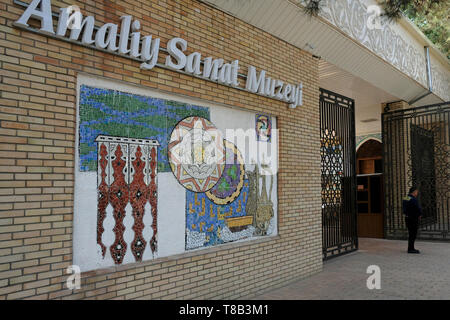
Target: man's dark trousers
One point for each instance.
(413, 225)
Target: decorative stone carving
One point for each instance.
(351, 17)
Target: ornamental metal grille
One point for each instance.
(417, 152)
(337, 133)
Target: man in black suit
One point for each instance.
(413, 213)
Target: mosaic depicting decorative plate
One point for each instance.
(196, 154)
(230, 184)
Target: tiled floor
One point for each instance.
(403, 276)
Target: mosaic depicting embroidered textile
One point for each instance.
(127, 175)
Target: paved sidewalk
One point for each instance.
(403, 276)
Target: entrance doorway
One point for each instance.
(369, 168)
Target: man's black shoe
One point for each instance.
(413, 251)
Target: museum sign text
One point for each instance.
(128, 42)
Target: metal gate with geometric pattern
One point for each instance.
(417, 152)
(338, 158)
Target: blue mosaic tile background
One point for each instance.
(116, 113)
(194, 218)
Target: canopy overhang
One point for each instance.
(287, 21)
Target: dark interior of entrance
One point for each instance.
(369, 168)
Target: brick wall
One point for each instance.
(37, 140)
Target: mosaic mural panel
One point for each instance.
(127, 139)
